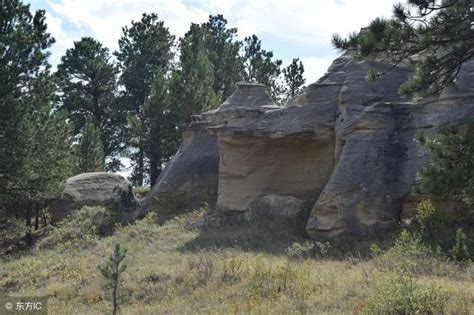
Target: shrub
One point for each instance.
(141, 191)
(399, 293)
(459, 251)
(408, 252)
(79, 230)
(308, 250)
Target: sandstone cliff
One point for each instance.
(346, 145)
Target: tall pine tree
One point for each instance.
(223, 50)
(88, 84)
(260, 66)
(161, 133)
(34, 139)
(144, 47)
(191, 84)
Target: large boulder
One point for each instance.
(108, 190)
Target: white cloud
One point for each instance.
(292, 23)
(104, 19)
(309, 20)
(315, 68)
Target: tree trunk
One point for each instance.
(155, 168)
(141, 168)
(37, 210)
(28, 238)
(114, 297)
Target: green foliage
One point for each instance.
(399, 293)
(144, 48)
(436, 36)
(160, 120)
(34, 139)
(89, 152)
(294, 80)
(424, 211)
(450, 174)
(260, 66)
(87, 80)
(308, 249)
(375, 250)
(223, 53)
(112, 268)
(191, 84)
(141, 191)
(81, 229)
(459, 251)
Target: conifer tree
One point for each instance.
(112, 268)
(223, 52)
(260, 66)
(450, 173)
(191, 84)
(293, 77)
(89, 151)
(88, 84)
(35, 139)
(436, 36)
(144, 47)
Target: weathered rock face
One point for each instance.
(190, 178)
(346, 144)
(285, 209)
(111, 191)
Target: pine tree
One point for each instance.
(294, 80)
(162, 134)
(112, 268)
(450, 174)
(35, 140)
(191, 84)
(260, 66)
(88, 83)
(143, 48)
(223, 53)
(436, 36)
(89, 152)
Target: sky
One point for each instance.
(290, 28)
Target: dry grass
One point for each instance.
(175, 269)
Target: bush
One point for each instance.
(410, 253)
(459, 251)
(79, 230)
(308, 250)
(399, 293)
(141, 191)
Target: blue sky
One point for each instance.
(290, 28)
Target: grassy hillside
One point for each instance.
(178, 268)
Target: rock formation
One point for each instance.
(111, 191)
(345, 144)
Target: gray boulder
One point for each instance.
(111, 191)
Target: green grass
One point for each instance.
(177, 268)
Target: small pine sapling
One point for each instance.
(112, 268)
